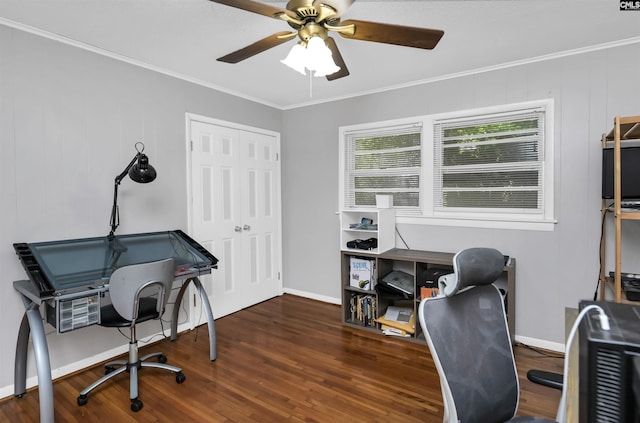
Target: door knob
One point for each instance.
(237, 229)
(246, 227)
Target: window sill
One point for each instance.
(526, 225)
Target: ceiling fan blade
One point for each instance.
(393, 34)
(255, 7)
(337, 58)
(258, 47)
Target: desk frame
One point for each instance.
(32, 325)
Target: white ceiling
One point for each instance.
(184, 37)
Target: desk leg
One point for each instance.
(207, 309)
(32, 323)
(20, 371)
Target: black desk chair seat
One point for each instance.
(468, 336)
(110, 318)
(138, 293)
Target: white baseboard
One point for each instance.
(541, 343)
(305, 294)
(7, 391)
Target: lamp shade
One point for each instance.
(314, 56)
(319, 58)
(142, 172)
(296, 58)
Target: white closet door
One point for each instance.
(235, 213)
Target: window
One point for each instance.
(465, 168)
(384, 161)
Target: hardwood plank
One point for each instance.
(286, 359)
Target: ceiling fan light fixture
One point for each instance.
(319, 59)
(314, 56)
(297, 58)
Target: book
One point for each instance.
(362, 273)
(363, 309)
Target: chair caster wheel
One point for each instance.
(136, 405)
(108, 369)
(82, 399)
(162, 358)
(180, 377)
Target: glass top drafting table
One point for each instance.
(71, 276)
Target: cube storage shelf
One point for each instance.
(385, 224)
(417, 263)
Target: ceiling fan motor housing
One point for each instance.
(307, 12)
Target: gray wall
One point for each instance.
(554, 269)
(69, 120)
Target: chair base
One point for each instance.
(541, 377)
(132, 366)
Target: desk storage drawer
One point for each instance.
(73, 313)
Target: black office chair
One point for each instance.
(467, 333)
(138, 293)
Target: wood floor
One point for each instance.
(287, 359)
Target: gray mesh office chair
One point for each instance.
(467, 333)
(138, 293)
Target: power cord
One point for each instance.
(604, 324)
(403, 241)
(543, 353)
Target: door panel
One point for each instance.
(235, 208)
(259, 222)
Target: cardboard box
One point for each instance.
(384, 201)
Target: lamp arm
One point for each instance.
(126, 170)
(115, 215)
(115, 218)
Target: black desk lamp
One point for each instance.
(140, 171)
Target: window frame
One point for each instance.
(543, 221)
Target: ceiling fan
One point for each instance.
(312, 19)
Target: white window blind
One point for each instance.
(492, 163)
(384, 161)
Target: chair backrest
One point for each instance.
(128, 283)
(467, 333)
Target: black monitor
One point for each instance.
(629, 173)
(609, 365)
